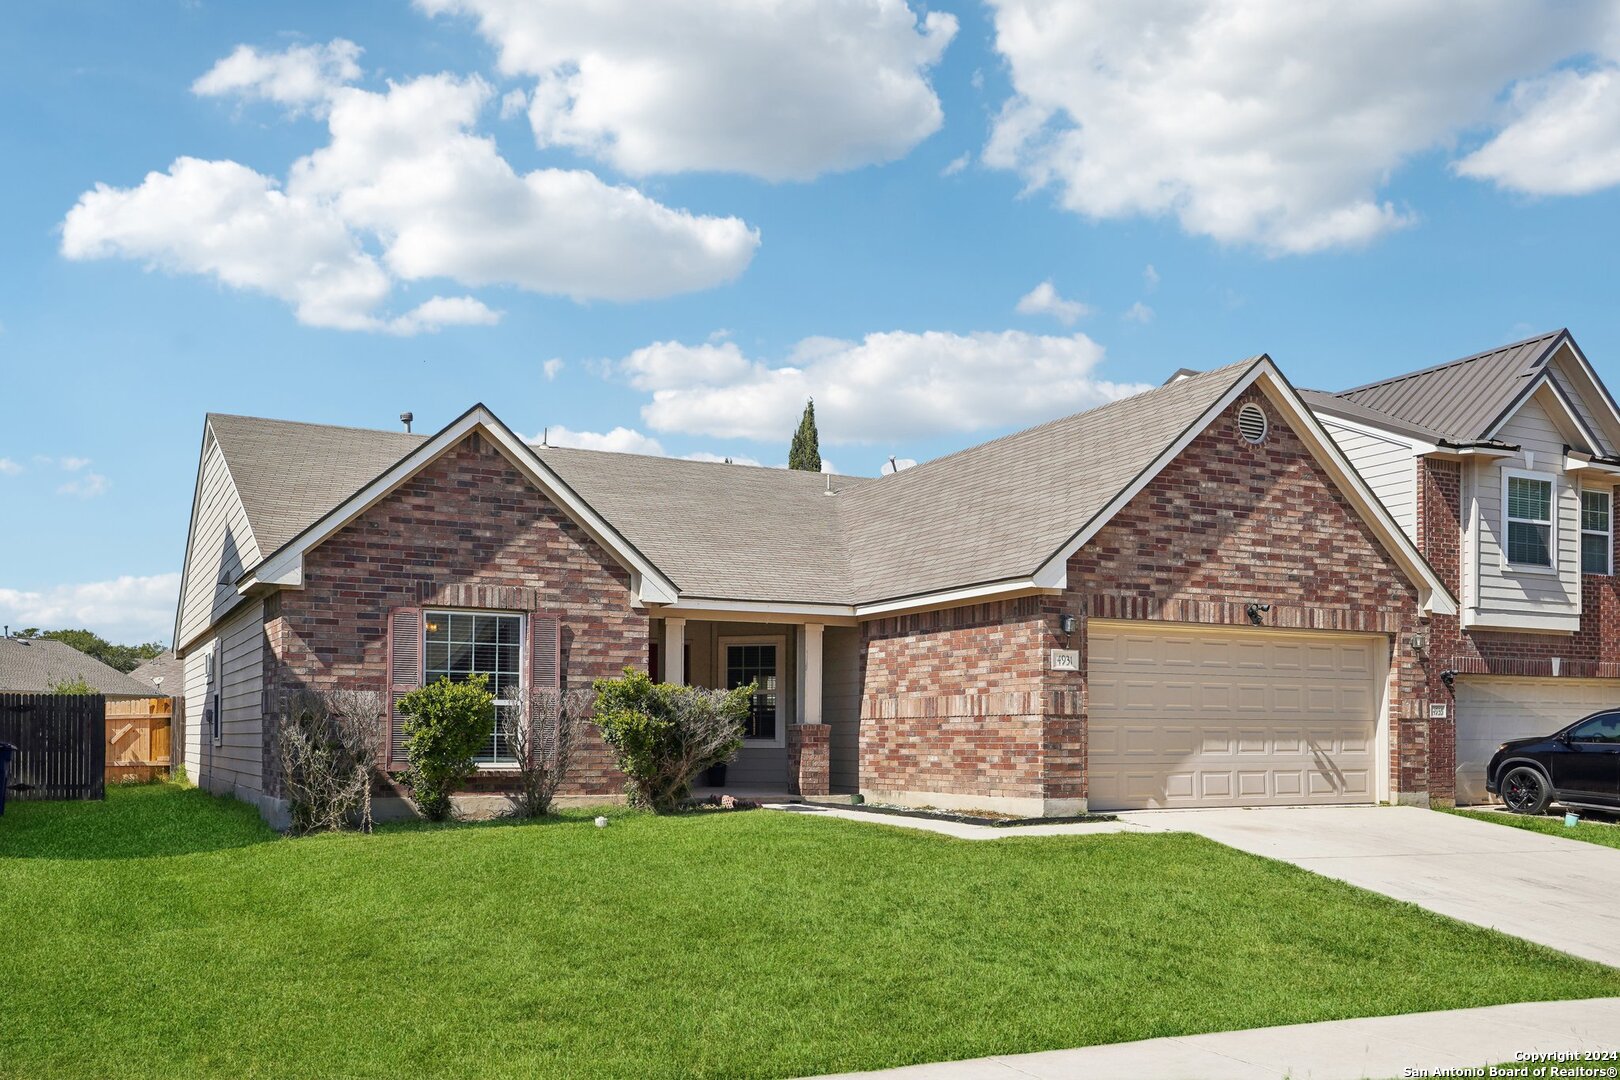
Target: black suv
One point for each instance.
(1578, 766)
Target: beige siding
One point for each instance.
(221, 545)
(1389, 468)
(1503, 592)
(841, 704)
(235, 765)
(1587, 411)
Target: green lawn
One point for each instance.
(165, 933)
(1600, 830)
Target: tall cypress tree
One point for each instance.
(805, 453)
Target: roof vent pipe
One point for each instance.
(406, 418)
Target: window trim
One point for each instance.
(1551, 480)
(782, 700)
(523, 662)
(1607, 534)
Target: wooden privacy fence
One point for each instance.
(139, 738)
(61, 742)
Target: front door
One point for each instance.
(1590, 767)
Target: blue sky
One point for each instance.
(856, 190)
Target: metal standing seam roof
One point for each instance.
(1462, 399)
(32, 665)
(993, 512)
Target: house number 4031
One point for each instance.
(1065, 660)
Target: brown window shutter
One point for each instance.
(404, 673)
(545, 672)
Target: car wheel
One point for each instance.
(1525, 790)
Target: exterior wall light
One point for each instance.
(1256, 612)
(1067, 624)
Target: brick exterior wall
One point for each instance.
(1591, 652)
(469, 530)
(959, 701)
(809, 759)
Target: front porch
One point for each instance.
(802, 740)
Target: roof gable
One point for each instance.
(284, 566)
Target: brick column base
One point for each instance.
(809, 759)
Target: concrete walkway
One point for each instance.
(1376, 1047)
(1547, 889)
(960, 830)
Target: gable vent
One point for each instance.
(1252, 423)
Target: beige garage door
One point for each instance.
(1228, 717)
(1492, 711)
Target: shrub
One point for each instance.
(76, 685)
(326, 742)
(542, 736)
(445, 725)
(665, 735)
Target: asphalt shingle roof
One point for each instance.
(164, 673)
(990, 513)
(33, 665)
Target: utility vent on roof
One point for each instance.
(1252, 423)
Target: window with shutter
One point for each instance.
(545, 673)
(404, 672)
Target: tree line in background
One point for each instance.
(125, 658)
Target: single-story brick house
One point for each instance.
(1184, 598)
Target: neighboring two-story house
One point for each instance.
(1502, 468)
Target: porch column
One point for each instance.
(808, 739)
(675, 651)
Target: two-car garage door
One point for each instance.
(1219, 716)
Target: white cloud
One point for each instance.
(9, 467)
(1259, 121)
(622, 440)
(404, 170)
(886, 386)
(781, 90)
(956, 165)
(513, 104)
(126, 609)
(732, 459)
(665, 365)
(441, 311)
(86, 486)
(228, 222)
(552, 368)
(1563, 138)
(1138, 313)
(300, 77)
(1043, 299)
(1150, 277)
(72, 464)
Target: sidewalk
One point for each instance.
(961, 830)
(1374, 1048)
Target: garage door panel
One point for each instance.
(1270, 719)
(1492, 711)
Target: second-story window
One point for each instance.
(1597, 532)
(1529, 521)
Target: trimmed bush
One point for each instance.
(446, 723)
(664, 735)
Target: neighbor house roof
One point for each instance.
(1005, 511)
(35, 665)
(1461, 400)
(165, 673)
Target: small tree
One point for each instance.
(445, 725)
(326, 742)
(75, 685)
(542, 735)
(664, 735)
(805, 453)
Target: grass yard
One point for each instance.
(165, 932)
(1600, 830)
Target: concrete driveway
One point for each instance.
(1550, 890)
